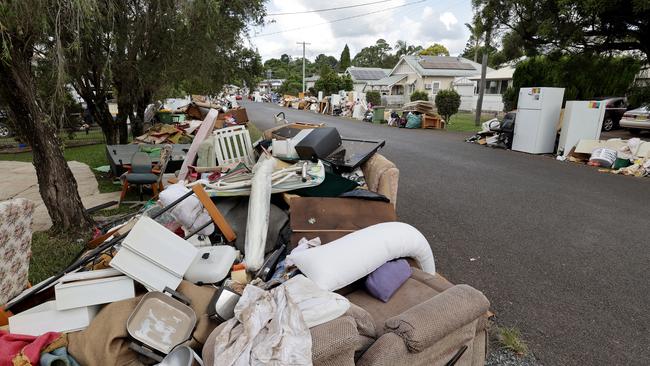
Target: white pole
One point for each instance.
(303, 64)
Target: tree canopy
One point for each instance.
(435, 49)
(377, 55)
(580, 26)
(344, 60)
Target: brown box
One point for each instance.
(239, 115)
(432, 122)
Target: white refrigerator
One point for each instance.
(583, 119)
(538, 113)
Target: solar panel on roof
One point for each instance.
(445, 64)
(367, 74)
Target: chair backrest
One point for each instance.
(233, 145)
(15, 246)
(165, 156)
(140, 163)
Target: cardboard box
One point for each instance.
(93, 288)
(46, 318)
(239, 115)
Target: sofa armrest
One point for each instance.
(425, 324)
(334, 342)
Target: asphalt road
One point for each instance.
(560, 249)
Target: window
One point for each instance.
(504, 86)
(492, 87)
(436, 87)
(433, 86)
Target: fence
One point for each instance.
(79, 137)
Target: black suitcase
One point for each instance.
(319, 143)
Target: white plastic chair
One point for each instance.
(233, 145)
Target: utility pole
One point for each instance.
(481, 90)
(303, 64)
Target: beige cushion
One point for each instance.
(382, 176)
(425, 324)
(411, 293)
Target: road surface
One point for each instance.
(561, 250)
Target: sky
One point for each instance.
(420, 23)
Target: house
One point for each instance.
(310, 81)
(496, 83)
(428, 73)
(361, 76)
(268, 85)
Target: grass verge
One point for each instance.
(52, 252)
(464, 122)
(510, 339)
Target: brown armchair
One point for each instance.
(428, 321)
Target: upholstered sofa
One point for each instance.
(428, 321)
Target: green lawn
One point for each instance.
(464, 122)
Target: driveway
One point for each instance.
(561, 250)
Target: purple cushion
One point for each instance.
(385, 280)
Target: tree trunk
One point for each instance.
(57, 185)
(98, 108)
(124, 111)
(106, 122)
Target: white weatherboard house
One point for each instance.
(428, 73)
(496, 83)
(361, 76)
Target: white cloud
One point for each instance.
(418, 24)
(448, 19)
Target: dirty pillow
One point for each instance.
(341, 262)
(385, 280)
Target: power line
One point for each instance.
(339, 20)
(330, 9)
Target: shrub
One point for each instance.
(419, 95)
(447, 102)
(510, 97)
(373, 97)
(583, 76)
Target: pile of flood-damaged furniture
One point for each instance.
(286, 251)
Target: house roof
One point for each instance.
(387, 81)
(440, 65)
(504, 73)
(312, 78)
(366, 73)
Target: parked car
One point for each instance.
(614, 109)
(636, 120)
(5, 131)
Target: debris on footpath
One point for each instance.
(285, 250)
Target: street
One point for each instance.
(560, 249)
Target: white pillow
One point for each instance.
(354, 256)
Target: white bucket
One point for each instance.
(603, 157)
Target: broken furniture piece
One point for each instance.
(119, 156)
(82, 289)
(16, 248)
(233, 145)
(154, 256)
(45, 318)
(140, 172)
